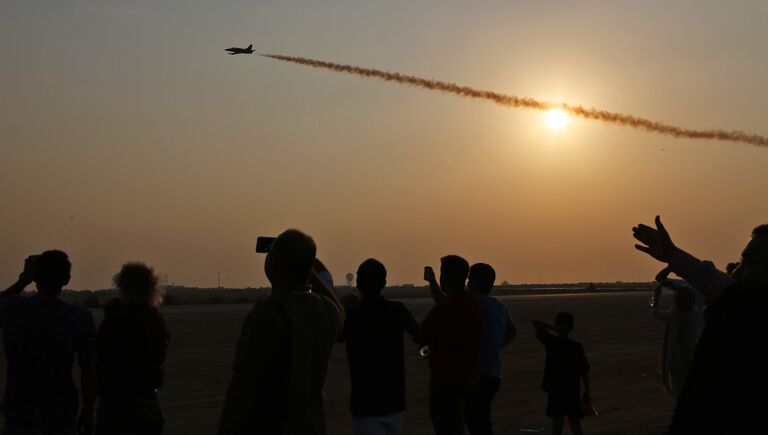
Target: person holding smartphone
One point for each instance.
(285, 345)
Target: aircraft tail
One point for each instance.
(250, 47)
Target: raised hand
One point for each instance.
(655, 241)
(429, 275)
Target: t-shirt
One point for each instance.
(132, 343)
(496, 320)
(280, 366)
(565, 364)
(453, 329)
(724, 390)
(374, 339)
(41, 337)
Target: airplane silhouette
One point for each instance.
(237, 50)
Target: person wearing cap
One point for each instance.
(726, 383)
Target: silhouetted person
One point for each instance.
(284, 348)
(565, 368)
(42, 336)
(373, 334)
(498, 332)
(132, 343)
(683, 325)
(724, 390)
(453, 330)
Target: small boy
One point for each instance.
(565, 367)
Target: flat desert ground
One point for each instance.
(620, 339)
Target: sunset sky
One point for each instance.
(127, 133)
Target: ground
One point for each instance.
(620, 339)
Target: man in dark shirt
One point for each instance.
(42, 334)
(453, 330)
(724, 389)
(373, 334)
(284, 348)
(565, 367)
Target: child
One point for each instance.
(566, 366)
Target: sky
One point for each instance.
(128, 134)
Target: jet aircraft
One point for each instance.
(237, 50)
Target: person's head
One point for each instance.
(453, 273)
(290, 260)
(371, 277)
(481, 278)
(685, 298)
(52, 272)
(754, 258)
(137, 284)
(564, 322)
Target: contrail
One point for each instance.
(530, 103)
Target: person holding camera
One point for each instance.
(42, 336)
(724, 386)
(285, 345)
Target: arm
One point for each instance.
(321, 288)
(411, 325)
(88, 376)
(587, 392)
(542, 331)
(510, 333)
(702, 275)
(88, 387)
(25, 279)
(434, 287)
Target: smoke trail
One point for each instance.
(530, 103)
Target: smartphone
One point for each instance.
(263, 244)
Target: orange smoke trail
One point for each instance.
(530, 103)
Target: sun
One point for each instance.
(556, 118)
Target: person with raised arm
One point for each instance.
(285, 346)
(42, 337)
(725, 383)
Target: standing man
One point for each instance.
(374, 339)
(498, 332)
(722, 392)
(453, 330)
(42, 335)
(284, 348)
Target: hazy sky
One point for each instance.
(127, 133)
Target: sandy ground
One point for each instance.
(618, 335)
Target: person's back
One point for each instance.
(374, 340)
(284, 348)
(132, 343)
(453, 329)
(42, 337)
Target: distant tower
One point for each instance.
(350, 278)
